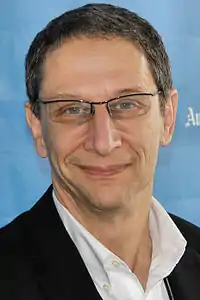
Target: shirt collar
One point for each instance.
(93, 253)
(168, 244)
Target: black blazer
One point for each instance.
(39, 261)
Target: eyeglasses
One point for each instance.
(81, 111)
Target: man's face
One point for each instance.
(109, 160)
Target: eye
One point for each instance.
(73, 109)
(124, 104)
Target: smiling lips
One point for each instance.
(97, 171)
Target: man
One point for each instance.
(101, 103)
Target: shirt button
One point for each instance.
(115, 263)
(106, 287)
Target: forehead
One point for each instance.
(97, 67)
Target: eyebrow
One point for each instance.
(130, 91)
(117, 93)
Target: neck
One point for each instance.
(125, 233)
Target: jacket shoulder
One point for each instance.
(15, 231)
(11, 237)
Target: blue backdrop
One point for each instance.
(24, 176)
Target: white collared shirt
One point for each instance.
(111, 276)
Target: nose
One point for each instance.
(102, 136)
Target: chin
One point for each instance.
(106, 205)
(107, 199)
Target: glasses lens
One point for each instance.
(69, 111)
(130, 106)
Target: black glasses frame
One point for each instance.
(92, 104)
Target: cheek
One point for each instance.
(141, 132)
(61, 141)
(142, 137)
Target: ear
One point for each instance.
(36, 129)
(169, 118)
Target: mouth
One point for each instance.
(104, 172)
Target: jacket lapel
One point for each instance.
(57, 265)
(185, 278)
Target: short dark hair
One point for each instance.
(98, 20)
